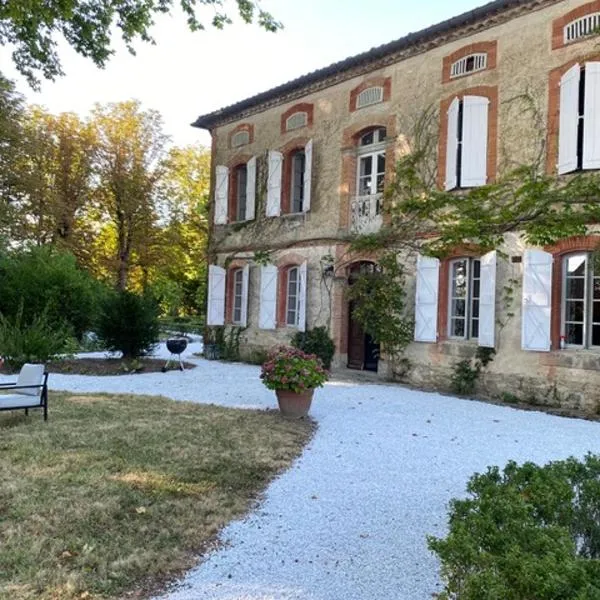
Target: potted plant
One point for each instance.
(293, 375)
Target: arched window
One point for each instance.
(238, 296)
(296, 121)
(463, 298)
(371, 162)
(240, 192)
(372, 95)
(241, 138)
(292, 312)
(298, 167)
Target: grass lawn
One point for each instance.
(117, 494)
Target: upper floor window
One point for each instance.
(464, 291)
(296, 121)
(581, 301)
(371, 162)
(582, 27)
(372, 95)
(293, 297)
(297, 184)
(241, 138)
(469, 64)
(467, 142)
(579, 123)
(238, 295)
(241, 186)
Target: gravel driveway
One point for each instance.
(348, 521)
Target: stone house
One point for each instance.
(297, 168)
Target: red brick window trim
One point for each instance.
(234, 267)
(468, 60)
(283, 281)
(564, 35)
(241, 135)
(559, 251)
(371, 98)
(290, 119)
(489, 92)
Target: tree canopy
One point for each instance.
(34, 27)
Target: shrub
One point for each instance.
(41, 280)
(525, 532)
(129, 323)
(294, 370)
(38, 341)
(316, 341)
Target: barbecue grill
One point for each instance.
(175, 346)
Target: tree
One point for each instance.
(34, 26)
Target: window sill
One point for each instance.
(458, 348)
(586, 359)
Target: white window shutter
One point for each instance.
(487, 300)
(216, 296)
(267, 318)
(569, 120)
(591, 120)
(474, 141)
(274, 184)
(302, 296)
(308, 157)
(537, 297)
(426, 302)
(221, 194)
(452, 145)
(245, 277)
(251, 189)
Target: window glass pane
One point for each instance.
(596, 312)
(475, 328)
(596, 288)
(575, 288)
(458, 308)
(366, 165)
(292, 296)
(476, 268)
(459, 279)
(574, 311)
(298, 181)
(380, 134)
(475, 309)
(457, 328)
(381, 163)
(596, 335)
(242, 177)
(367, 138)
(576, 265)
(574, 334)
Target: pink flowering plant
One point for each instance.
(291, 369)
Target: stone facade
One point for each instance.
(524, 57)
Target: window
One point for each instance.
(464, 297)
(241, 178)
(297, 184)
(238, 295)
(241, 138)
(467, 142)
(581, 301)
(581, 27)
(296, 121)
(579, 126)
(371, 162)
(372, 95)
(293, 297)
(469, 64)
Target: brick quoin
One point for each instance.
(298, 143)
(490, 92)
(584, 243)
(231, 269)
(306, 107)
(490, 48)
(384, 82)
(554, 109)
(241, 127)
(558, 25)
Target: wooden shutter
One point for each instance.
(537, 296)
(274, 184)
(308, 157)
(267, 318)
(487, 300)
(591, 119)
(426, 301)
(251, 189)
(569, 120)
(221, 194)
(452, 145)
(302, 296)
(245, 277)
(474, 141)
(216, 296)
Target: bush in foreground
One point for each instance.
(316, 341)
(129, 324)
(525, 532)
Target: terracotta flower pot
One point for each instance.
(294, 405)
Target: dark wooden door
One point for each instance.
(356, 343)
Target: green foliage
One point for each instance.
(42, 280)
(129, 324)
(316, 341)
(378, 300)
(525, 532)
(294, 370)
(466, 372)
(34, 27)
(182, 325)
(39, 340)
(227, 341)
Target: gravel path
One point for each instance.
(348, 521)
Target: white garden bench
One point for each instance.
(29, 391)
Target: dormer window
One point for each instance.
(296, 121)
(469, 64)
(582, 27)
(372, 95)
(241, 138)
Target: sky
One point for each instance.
(188, 74)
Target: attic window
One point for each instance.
(296, 121)
(241, 138)
(469, 64)
(372, 95)
(582, 27)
